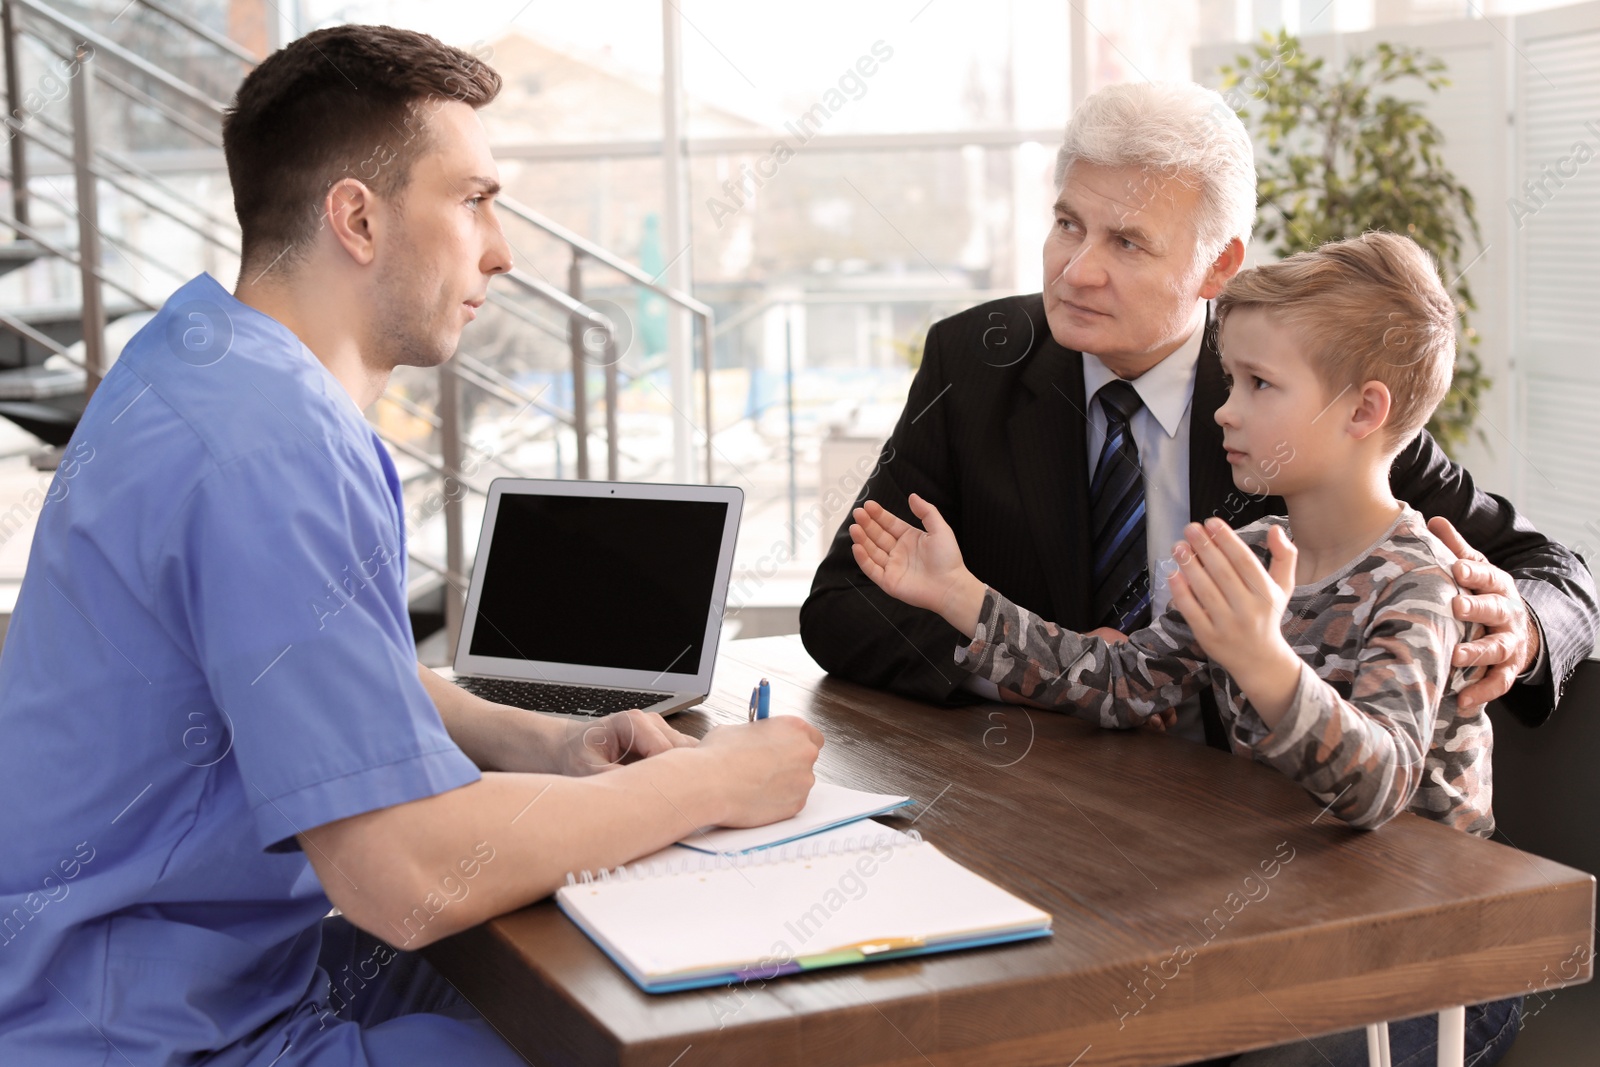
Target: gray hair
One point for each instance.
(1181, 128)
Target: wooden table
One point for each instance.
(1203, 906)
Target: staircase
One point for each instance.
(118, 196)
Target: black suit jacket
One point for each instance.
(993, 433)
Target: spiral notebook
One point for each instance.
(706, 920)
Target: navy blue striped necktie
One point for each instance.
(1116, 505)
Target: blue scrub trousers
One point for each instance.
(406, 1016)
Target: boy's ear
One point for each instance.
(1371, 412)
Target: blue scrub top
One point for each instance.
(210, 653)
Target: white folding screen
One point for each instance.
(1554, 213)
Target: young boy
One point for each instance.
(1332, 662)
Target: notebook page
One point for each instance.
(828, 805)
(732, 918)
(852, 832)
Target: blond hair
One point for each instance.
(1370, 308)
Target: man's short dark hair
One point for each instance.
(346, 101)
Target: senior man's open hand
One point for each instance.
(921, 567)
(1511, 643)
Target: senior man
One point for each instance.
(1021, 401)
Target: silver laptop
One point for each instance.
(594, 597)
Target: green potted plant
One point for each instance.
(1340, 155)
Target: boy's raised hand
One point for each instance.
(1235, 607)
(921, 567)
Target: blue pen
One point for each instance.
(760, 701)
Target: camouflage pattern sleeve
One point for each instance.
(1364, 756)
(1118, 685)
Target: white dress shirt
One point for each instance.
(1161, 431)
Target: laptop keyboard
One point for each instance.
(561, 699)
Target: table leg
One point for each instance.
(1378, 1045)
(1452, 1036)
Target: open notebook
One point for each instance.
(795, 908)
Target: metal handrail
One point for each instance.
(600, 255)
(134, 194)
(127, 166)
(582, 246)
(22, 329)
(492, 381)
(71, 257)
(427, 564)
(409, 408)
(579, 314)
(172, 114)
(516, 310)
(89, 46)
(104, 44)
(429, 462)
(477, 372)
(127, 250)
(134, 93)
(545, 291)
(199, 29)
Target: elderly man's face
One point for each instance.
(1121, 278)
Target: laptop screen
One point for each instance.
(600, 581)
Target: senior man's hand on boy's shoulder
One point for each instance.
(1510, 644)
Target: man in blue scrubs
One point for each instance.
(215, 724)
